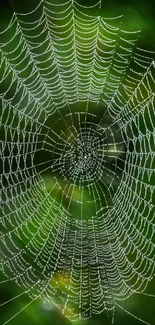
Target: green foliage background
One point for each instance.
(137, 15)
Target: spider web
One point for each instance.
(77, 159)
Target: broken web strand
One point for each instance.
(83, 96)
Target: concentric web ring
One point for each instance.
(77, 159)
(85, 149)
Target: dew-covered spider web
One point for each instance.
(77, 159)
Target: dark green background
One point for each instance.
(137, 15)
